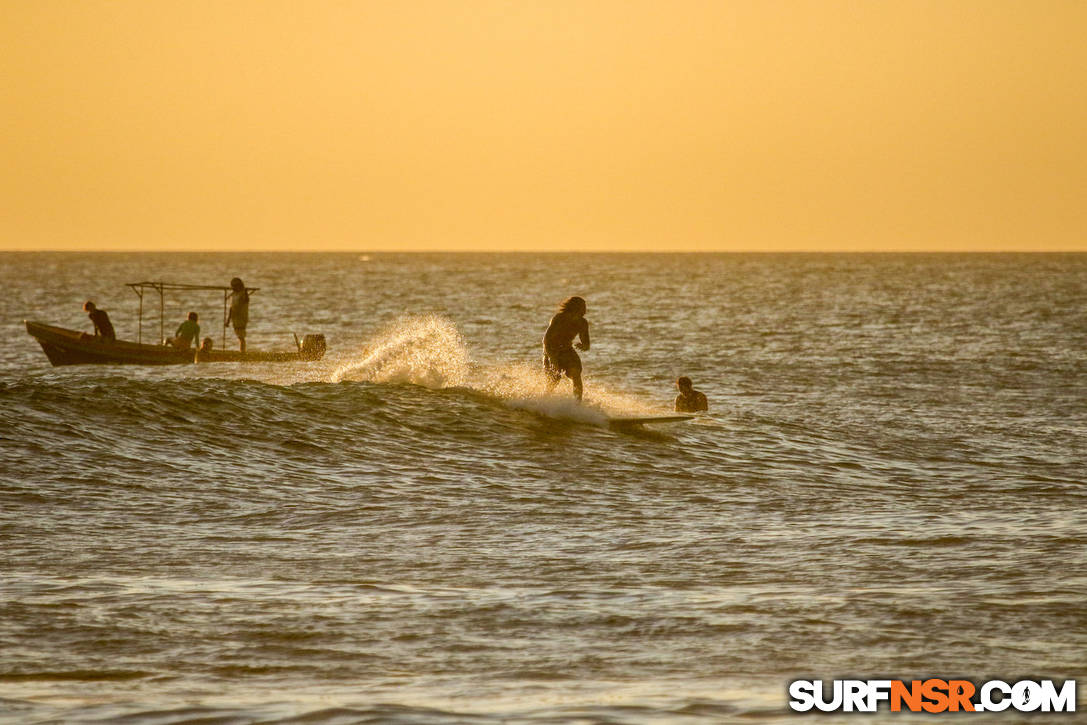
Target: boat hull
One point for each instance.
(71, 347)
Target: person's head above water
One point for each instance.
(573, 304)
(684, 383)
(236, 284)
(193, 316)
(88, 306)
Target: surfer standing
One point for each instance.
(559, 355)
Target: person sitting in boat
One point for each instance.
(239, 310)
(103, 328)
(689, 400)
(188, 332)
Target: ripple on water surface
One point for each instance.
(416, 529)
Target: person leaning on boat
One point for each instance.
(103, 328)
(239, 310)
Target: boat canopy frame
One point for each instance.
(140, 289)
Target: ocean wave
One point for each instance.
(430, 351)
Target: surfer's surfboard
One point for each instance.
(642, 420)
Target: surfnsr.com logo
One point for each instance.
(932, 695)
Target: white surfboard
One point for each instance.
(642, 420)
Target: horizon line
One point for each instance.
(541, 251)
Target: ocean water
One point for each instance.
(890, 483)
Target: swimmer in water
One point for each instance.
(689, 400)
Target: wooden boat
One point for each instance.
(72, 347)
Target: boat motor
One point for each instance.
(313, 347)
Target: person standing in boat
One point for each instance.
(103, 328)
(239, 310)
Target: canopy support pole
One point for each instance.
(139, 287)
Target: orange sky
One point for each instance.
(593, 125)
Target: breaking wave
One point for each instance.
(430, 351)
(427, 351)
